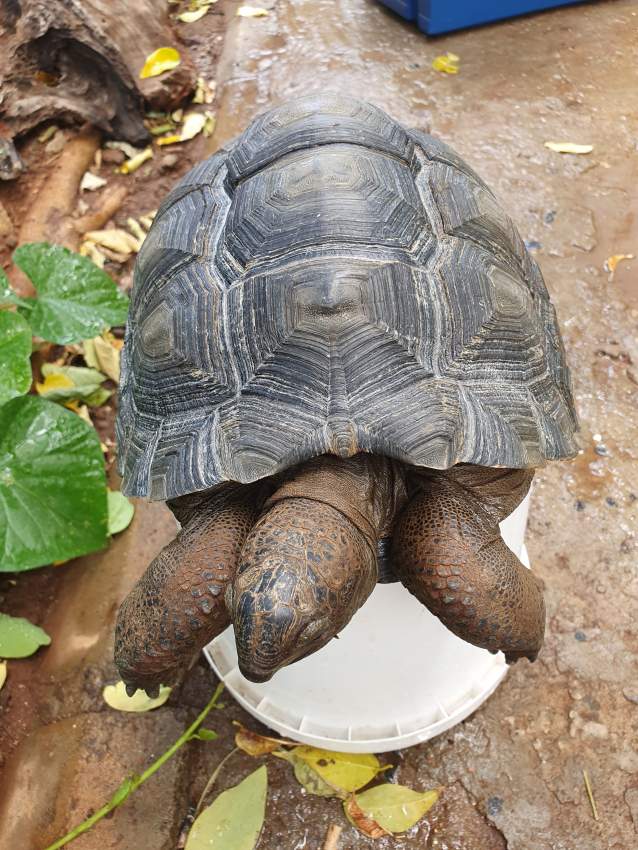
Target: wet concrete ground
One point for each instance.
(513, 771)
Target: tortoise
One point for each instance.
(341, 366)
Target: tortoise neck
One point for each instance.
(368, 489)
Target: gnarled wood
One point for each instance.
(66, 59)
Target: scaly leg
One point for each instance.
(449, 553)
(178, 606)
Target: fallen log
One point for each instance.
(80, 59)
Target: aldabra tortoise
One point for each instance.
(340, 362)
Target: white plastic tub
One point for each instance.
(395, 677)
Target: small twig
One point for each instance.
(212, 779)
(133, 783)
(590, 794)
(332, 837)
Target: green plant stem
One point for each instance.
(133, 783)
(212, 780)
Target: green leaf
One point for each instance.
(7, 295)
(116, 697)
(307, 777)
(122, 792)
(395, 807)
(120, 511)
(19, 638)
(52, 485)
(205, 735)
(15, 351)
(99, 397)
(234, 820)
(80, 382)
(76, 300)
(343, 771)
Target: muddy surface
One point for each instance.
(513, 771)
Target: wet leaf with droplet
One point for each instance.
(76, 300)
(52, 485)
(15, 353)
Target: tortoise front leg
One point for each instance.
(449, 553)
(178, 605)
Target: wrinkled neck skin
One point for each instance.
(369, 490)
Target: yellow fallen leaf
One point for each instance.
(90, 249)
(209, 126)
(252, 12)
(169, 140)
(136, 229)
(115, 239)
(612, 262)
(194, 123)
(343, 771)
(205, 91)
(103, 353)
(568, 147)
(55, 381)
(161, 60)
(191, 17)
(3, 673)
(134, 162)
(394, 808)
(448, 63)
(116, 697)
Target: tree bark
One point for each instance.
(70, 59)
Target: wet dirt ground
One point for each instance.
(513, 771)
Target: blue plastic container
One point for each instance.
(438, 16)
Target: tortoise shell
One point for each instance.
(332, 283)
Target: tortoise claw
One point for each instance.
(130, 689)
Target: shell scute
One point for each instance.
(333, 283)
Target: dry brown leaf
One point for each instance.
(363, 822)
(90, 182)
(254, 744)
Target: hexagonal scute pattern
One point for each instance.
(333, 283)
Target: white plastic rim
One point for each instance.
(394, 678)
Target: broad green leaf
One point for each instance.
(120, 511)
(234, 820)
(343, 771)
(76, 300)
(15, 351)
(394, 807)
(52, 485)
(62, 383)
(3, 673)
(7, 295)
(19, 638)
(116, 697)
